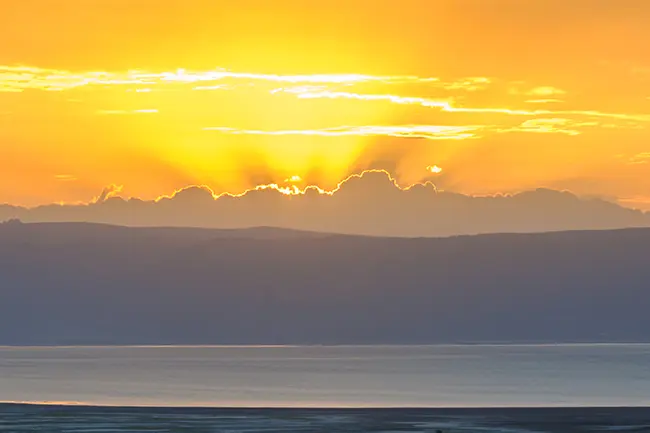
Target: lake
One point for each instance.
(320, 376)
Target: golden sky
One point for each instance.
(477, 96)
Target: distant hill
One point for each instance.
(370, 204)
(96, 284)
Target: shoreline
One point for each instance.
(23, 418)
(465, 409)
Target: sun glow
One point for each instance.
(234, 95)
(240, 131)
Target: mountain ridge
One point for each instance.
(89, 284)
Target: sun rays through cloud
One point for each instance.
(242, 131)
(503, 96)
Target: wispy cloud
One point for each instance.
(19, 78)
(127, 112)
(65, 177)
(448, 106)
(429, 132)
(544, 101)
(304, 86)
(545, 91)
(551, 125)
(640, 158)
(470, 84)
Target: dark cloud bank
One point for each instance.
(369, 205)
(78, 283)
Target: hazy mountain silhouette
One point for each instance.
(96, 284)
(370, 204)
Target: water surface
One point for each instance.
(370, 376)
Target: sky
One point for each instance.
(147, 97)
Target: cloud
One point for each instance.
(276, 114)
(544, 101)
(551, 125)
(20, 78)
(127, 112)
(191, 194)
(65, 177)
(470, 84)
(640, 158)
(429, 132)
(449, 107)
(416, 210)
(397, 89)
(635, 201)
(546, 91)
(108, 192)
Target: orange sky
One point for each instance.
(154, 96)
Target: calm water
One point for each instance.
(433, 376)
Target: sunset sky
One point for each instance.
(476, 96)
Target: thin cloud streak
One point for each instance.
(447, 106)
(315, 86)
(429, 132)
(640, 158)
(551, 125)
(544, 101)
(546, 91)
(19, 78)
(126, 112)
